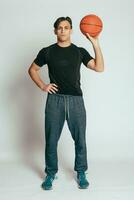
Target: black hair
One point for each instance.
(60, 19)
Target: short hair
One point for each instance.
(60, 19)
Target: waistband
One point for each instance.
(65, 95)
(66, 100)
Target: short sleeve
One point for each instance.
(40, 59)
(86, 57)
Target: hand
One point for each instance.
(94, 40)
(50, 87)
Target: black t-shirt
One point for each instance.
(64, 66)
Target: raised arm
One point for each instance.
(96, 64)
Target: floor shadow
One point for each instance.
(28, 107)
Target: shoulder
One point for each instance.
(81, 49)
(45, 49)
(77, 47)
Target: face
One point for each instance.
(63, 31)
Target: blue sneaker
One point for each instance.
(82, 181)
(47, 183)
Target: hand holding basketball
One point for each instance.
(94, 40)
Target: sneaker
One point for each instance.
(47, 183)
(82, 181)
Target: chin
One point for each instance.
(63, 39)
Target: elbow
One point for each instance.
(29, 71)
(102, 70)
(99, 69)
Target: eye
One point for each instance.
(59, 28)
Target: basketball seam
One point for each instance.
(90, 24)
(94, 32)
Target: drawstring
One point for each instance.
(66, 107)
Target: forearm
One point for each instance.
(99, 61)
(36, 78)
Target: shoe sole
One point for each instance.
(47, 188)
(82, 187)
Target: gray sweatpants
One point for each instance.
(61, 107)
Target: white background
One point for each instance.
(26, 27)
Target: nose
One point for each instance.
(62, 30)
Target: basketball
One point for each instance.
(91, 24)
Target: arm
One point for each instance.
(96, 64)
(33, 72)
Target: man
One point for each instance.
(65, 97)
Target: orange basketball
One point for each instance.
(91, 24)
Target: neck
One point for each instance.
(64, 43)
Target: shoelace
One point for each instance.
(82, 175)
(50, 178)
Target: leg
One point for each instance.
(77, 126)
(54, 121)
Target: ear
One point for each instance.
(55, 32)
(71, 31)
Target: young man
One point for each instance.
(65, 97)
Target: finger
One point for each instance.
(87, 34)
(52, 90)
(96, 37)
(54, 84)
(53, 87)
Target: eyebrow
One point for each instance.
(63, 26)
